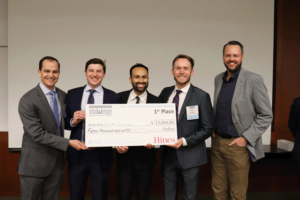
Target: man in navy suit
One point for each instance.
(135, 164)
(194, 126)
(97, 161)
(294, 125)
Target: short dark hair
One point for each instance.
(233, 42)
(137, 65)
(96, 61)
(183, 56)
(48, 58)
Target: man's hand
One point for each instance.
(149, 146)
(78, 117)
(122, 149)
(214, 135)
(76, 144)
(177, 144)
(240, 141)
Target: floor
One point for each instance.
(250, 196)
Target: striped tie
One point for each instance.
(176, 101)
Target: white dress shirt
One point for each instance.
(132, 98)
(49, 97)
(98, 96)
(182, 96)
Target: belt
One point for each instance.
(225, 135)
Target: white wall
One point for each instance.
(3, 67)
(126, 32)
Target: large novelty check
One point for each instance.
(130, 124)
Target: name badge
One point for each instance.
(192, 112)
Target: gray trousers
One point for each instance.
(47, 187)
(172, 172)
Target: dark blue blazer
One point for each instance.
(294, 125)
(73, 104)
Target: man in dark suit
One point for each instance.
(97, 161)
(136, 163)
(194, 126)
(294, 125)
(41, 163)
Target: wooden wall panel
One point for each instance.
(287, 68)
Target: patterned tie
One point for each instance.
(55, 110)
(137, 99)
(91, 100)
(176, 101)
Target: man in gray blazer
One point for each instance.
(41, 162)
(194, 125)
(242, 113)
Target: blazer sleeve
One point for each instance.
(294, 116)
(264, 116)
(205, 122)
(34, 128)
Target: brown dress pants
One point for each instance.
(230, 169)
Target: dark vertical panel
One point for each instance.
(287, 68)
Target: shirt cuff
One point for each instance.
(72, 125)
(184, 142)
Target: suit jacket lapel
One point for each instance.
(238, 88)
(105, 96)
(168, 94)
(188, 96)
(148, 100)
(45, 103)
(79, 100)
(125, 96)
(62, 108)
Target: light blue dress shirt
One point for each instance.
(49, 97)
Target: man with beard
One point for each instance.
(243, 113)
(194, 125)
(136, 163)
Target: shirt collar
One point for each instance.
(184, 89)
(234, 76)
(98, 89)
(45, 89)
(143, 96)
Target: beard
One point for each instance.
(238, 66)
(183, 83)
(140, 90)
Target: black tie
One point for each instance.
(91, 97)
(137, 99)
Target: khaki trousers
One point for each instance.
(230, 169)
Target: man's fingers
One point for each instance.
(173, 146)
(214, 135)
(149, 146)
(119, 150)
(232, 143)
(125, 147)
